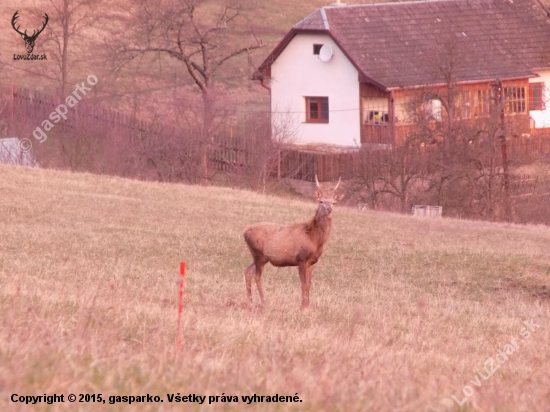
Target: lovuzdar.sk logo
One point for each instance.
(29, 40)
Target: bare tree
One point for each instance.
(470, 172)
(65, 34)
(203, 44)
(454, 155)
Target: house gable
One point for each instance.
(298, 75)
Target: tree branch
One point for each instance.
(236, 53)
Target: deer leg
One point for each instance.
(302, 271)
(309, 272)
(259, 270)
(248, 273)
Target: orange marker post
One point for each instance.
(180, 307)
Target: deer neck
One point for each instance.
(321, 226)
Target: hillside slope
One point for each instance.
(404, 311)
(160, 82)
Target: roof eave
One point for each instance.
(464, 82)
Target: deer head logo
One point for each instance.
(29, 40)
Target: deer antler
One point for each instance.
(317, 182)
(34, 33)
(13, 20)
(43, 26)
(337, 184)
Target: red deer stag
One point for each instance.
(300, 244)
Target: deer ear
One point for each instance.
(318, 194)
(337, 198)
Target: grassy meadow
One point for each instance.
(404, 311)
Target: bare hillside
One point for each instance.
(405, 312)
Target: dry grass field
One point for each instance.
(404, 312)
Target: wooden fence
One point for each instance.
(304, 165)
(32, 105)
(225, 154)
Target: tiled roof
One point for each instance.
(416, 43)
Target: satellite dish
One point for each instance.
(325, 54)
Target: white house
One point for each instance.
(344, 74)
(318, 97)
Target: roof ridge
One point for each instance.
(324, 17)
(307, 17)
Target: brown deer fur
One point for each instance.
(300, 244)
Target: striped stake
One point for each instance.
(180, 307)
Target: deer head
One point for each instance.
(326, 202)
(29, 40)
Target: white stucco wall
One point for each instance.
(542, 117)
(298, 73)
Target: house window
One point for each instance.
(317, 49)
(377, 117)
(536, 96)
(463, 105)
(481, 103)
(433, 109)
(317, 109)
(515, 99)
(375, 110)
